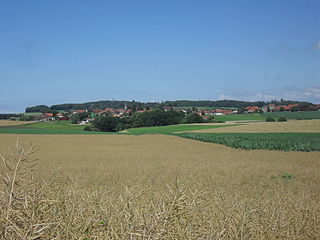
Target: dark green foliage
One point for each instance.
(157, 118)
(212, 119)
(241, 110)
(304, 142)
(179, 103)
(287, 176)
(270, 119)
(192, 118)
(27, 118)
(294, 115)
(106, 124)
(78, 117)
(38, 108)
(87, 128)
(282, 119)
(102, 105)
(144, 119)
(8, 116)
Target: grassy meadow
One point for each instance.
(276, 115)
(65, 127)
(174, 128)
(295, 115)
(156, 187)
(55, 127)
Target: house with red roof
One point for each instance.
(221, 111)
(285, 108)
(47, 117)
(290, 107)
(252, 109)
(79, 111)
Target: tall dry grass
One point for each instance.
(177, 189)
(20, 203)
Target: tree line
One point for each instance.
(134, 105)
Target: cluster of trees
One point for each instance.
(281, 119)
(4, 116)
(78, 117)
(19, 117)
(38, 108)
(302, 107)
(145, 119)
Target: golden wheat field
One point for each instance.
(13, 123)
(156, 187)
(290, 126)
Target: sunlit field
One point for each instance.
(162, 187)
(290, 126)
(12, 123)
(159, 120)
(276, 115)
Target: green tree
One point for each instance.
(105, 124)
(78, 117)
(192, 118)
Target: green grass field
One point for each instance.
(240, 117)
(56, 127)
(305, 142)
(172, 129)
(65, 127)
(276, 115)
(32, 114)
(295, 115)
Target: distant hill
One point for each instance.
(142, 105)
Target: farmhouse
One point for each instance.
(285, 108)
(47, 117)
(252, 109)
(79, 111)
(316, 107)
(220, 111)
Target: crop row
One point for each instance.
(305, 142)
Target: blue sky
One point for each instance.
(62, 51)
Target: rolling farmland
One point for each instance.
(165, 187)
(154, 183)
(160, 120)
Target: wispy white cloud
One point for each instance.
(225, 97)
(308, 93)
(258, 96)
(311, 94)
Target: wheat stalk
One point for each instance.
(20, 195)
